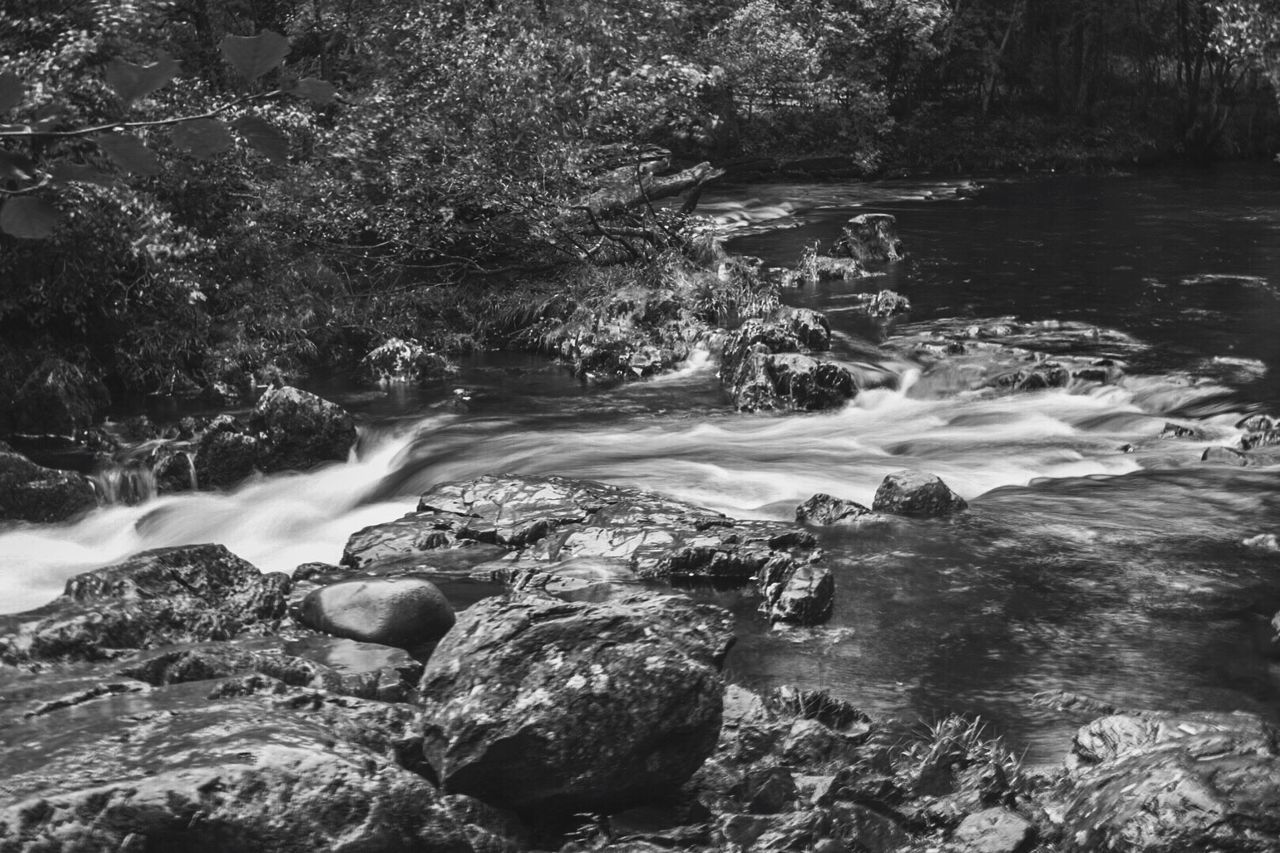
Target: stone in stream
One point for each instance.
(1165, 782)
(407, 612)
(553, 707)
(30, 492)
(234, 764)
(1240, 459)
(581, 533)
(225, 454)
(824, 509)
(1257, 423)
(301, 430)
(870, 237)
(994, 830)
(185, 594)
(1266, 438)
(789, 382)
(917, 494)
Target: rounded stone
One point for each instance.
(407, 612)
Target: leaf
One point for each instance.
(79, 173)
(315, 90)
(253, 56)
(131, 82)
(28, 218)
(202, 138)
(129, 154)
(11, 91)
(267, 139)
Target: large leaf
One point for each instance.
(267, 139)
(79, 173)
(314, 89)
(202, 138)
(11, 90)
(253, 56)
(129, 154)
(131, 82)
(28, 218)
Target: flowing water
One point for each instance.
(1099, 556)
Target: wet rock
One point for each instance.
(58, 397)
(175, 471)
(186, 594)
(398, 361)
(1267, 438)
(407, 612)
(827, 268)
(578, 530)
(1238, 459)
(811, 328)
(1257, 423)
(1172, 430)
(30, 492)
(995, 830)
(1037, 377)
(917, 494)
(301, 430)
(789, 382)
(1174, 782)
(225, 454)
(265, 768)
(870, 237)
(549, 706)
(824, 509)
(884, 305)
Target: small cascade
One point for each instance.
(141, 473)
(130, 484)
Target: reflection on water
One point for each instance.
(1099, 556)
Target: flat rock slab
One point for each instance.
(587, 529)
(543, 706)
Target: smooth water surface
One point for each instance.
(1098, 556)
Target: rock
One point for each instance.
(175, 471)
(1172, 430)
(397, 361)
(1044, 374)
(789, 382)
(301, 429)
(556, 707)
(58, 397)
(407, 612)
(1267, 438)
(1264, 542)
(225, 454)
(580, 532)
(824, 509)
(870, 237)
(769, 790)
(994, 830)
(917, 494)
(884, 305)
(187, 594)
(30, 492)
(190, 768)
(1235, 458)
(826, 268)
(1257, 423)
(811, 328)
(1163, 782)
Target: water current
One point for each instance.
(1099, 556)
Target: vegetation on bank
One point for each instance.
(416, 170)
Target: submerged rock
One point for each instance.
(406, 612)
(30, 492)
(301, 430)
(1164, 782)
(548, 706)
(580, 533)
(185, 594)
(917, 494)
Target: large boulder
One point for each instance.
(408, 612)
(553, 707)
(870, 237)
(242, 764)
(301, 430)
(917, 494)
(789, 382)
(577, 530)
(58, 397)
(1165, 782)
(225, 454)
(186, 594)
(30, 492)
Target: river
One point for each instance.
(1098, 557)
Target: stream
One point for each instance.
(1098, 557)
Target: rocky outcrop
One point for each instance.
(578, 533)
(870, 237)
(30, 492)
(546, 706)
(59, 398)
(300, 430)
(823, 509)
(917, 494)
(1164, 782)
(765, 368)
(289, 429)
(235, 764)
(407, 612)
(169, 595)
